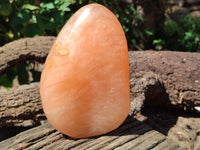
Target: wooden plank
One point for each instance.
(166, 145)
(132, 134)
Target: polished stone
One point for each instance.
(85, 81)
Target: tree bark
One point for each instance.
(20, 106)
(15, 52)
(157, 79)
(166, 78)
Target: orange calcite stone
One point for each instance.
(85, 81)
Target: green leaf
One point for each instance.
(117, 15)
(30, 7)
(148, 32)
(188, 35)
(64, 8)
(133, 41)
(34, 19)
(127, 12)
(19, 15)
(57, 2)
(47, 7)
(157, 41)
(6, 89)
(132, 8)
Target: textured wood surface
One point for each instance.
(133, 134)
(153, 129)
(180, 126)
(165, 78)
(176, 74)
(158, 80)
(35, 49)
(21, 105)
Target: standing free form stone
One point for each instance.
(85, 81)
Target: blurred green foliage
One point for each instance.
(31, 18)
(181, 35)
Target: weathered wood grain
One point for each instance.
(21, 105)
(133, 134)
(157, 79)
(35, 49)
(179, 126)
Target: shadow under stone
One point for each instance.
(7, 132)
(160, 114)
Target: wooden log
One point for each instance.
(20, 106)
(169, 78)
(157, 79)
(132, 134)
(35, 49)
